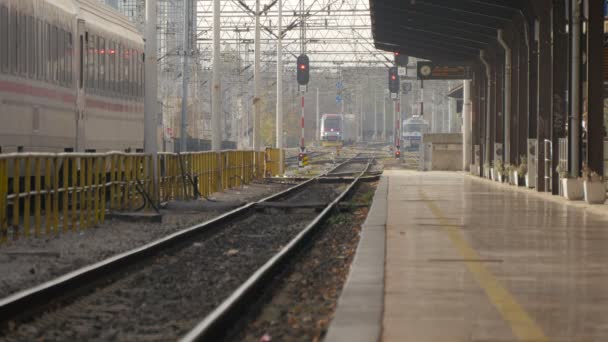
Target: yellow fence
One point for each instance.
(207, 172)
(273, 161)
(43, 193)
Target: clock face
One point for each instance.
(425, 70)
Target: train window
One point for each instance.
(12, 42)
(102, 83)
(31, 47)
(4, 48)
(133, 63)
(38, 56)
(112, 67)
(69, 55)
(61, 56)
(48, 50)
(119, 69)
(91, 51)
(138, 72)
(22, 45)
(141, 75)
(55, 54)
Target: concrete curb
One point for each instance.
(596, 209)
(360, 308)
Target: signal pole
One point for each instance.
(151, 91)
(216, 92)
(279, 118)
(183, 146)
(256, 82)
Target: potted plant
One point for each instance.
(486, 170)
(572, 188)
(594, 188)
(499, 170)
(522, 171)
(512, 173)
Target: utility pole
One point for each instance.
(279, 118)
(318, 112)
(151, 92)
(375, 116)
(183, 146)
(216, 97)
(384, 116)
(256, 82)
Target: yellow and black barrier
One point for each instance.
(46, 193)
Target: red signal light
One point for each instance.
(303, 66)
(393, 77)
(396, 53)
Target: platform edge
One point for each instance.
(359, 312)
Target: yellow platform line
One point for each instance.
(522, 324)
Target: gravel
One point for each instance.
(302, 303)
(163, 298)
(28, 262)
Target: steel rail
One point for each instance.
(28, 302)
(215, 325)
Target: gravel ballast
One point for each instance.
(28, 262)
(302, 303)
(162, 298)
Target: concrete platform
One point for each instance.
(467, 260)
(359, 313)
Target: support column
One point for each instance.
(533, 99)
(545, 94)
(524, 91)
(515, 84)
(499, 117)
(595, 86)
(507, 96)
(466, 126)
(475, 111)
(575, 89)
(560, 85)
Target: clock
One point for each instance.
(425, 70)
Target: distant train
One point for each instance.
(337, 129)
(71, 77)
(413, 130)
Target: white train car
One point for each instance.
(71, 77)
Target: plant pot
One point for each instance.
(500, 178)
(573, 189)
(595, 192)
(513, 178)
(486, 172)
(527, 179)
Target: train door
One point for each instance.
(82, 41)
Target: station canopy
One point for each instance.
(440, 30)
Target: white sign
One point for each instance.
(402, 71)
(303, 88)
(393, 96)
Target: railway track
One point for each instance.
(161, 291)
